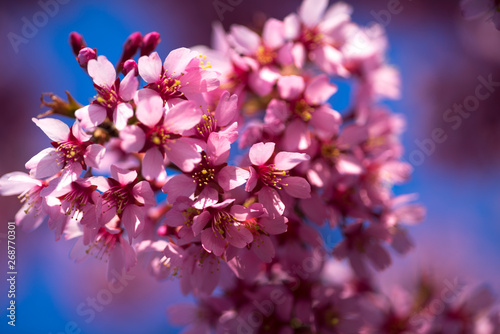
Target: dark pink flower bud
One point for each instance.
(77, 42)
(130, 65)
(85, 55)
(150, 42)
(131, 46)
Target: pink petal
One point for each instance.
(243, 213)
(246, 41)
(263, 248)
(325, 122)
(128, 86)
(177, 61)
(152, 165)
(91, 116)
(133, 220)
(226, 110)
(238, 236)
(348, 165)
(183, 154)
(231, 177)
(291, 26)
(273, 34)
(330, 60)
(200, 221)
(122, 114)
(263, 81)
(207, 198)
(217, 148)
(143, 193)
(260, 153)
(132, 139)
(277, 112)
(298, 55)
(271, 201)
(319, 90)
(150, 67)
(291, 86)
(297, 136)
(179, 185)
(44, 164)
(150, 110)
(288, 160)
(94, 154)
(378, 256)
(297, 187)
(311, 11)
(253, 178)
(77, 131)
(274, 226)
(102, 71)
(55, 129)
(183, 116)
(16, 183)
(123, 176)
(212, 242)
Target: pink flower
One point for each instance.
(306, 113)
(108, 243)
(72, 197)
(316, 32)
(72, 150)
(112, 98)
(210, 172)
(266, 177)
(267, 52)
(160, 135)
(125, 198)
(182, 76)
(222, 120)
(33, 211)
(360, 245)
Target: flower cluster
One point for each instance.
(246, 223)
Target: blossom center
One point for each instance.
(271, 176)
(311, 38)
(78, 198)
(207, 125)
(107, 97)
(265, 56)
(203, 173)
(168, 87)
(303, 110)
(69, 152)
(117, 197)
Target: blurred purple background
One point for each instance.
(441, 58)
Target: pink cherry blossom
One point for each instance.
(124, 197)
(113, 96)
(72, 150)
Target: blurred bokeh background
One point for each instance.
(442, 58)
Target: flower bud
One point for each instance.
(131, 46)
(77, 42)
(130, 65)
(149, 43)
(85, 55)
